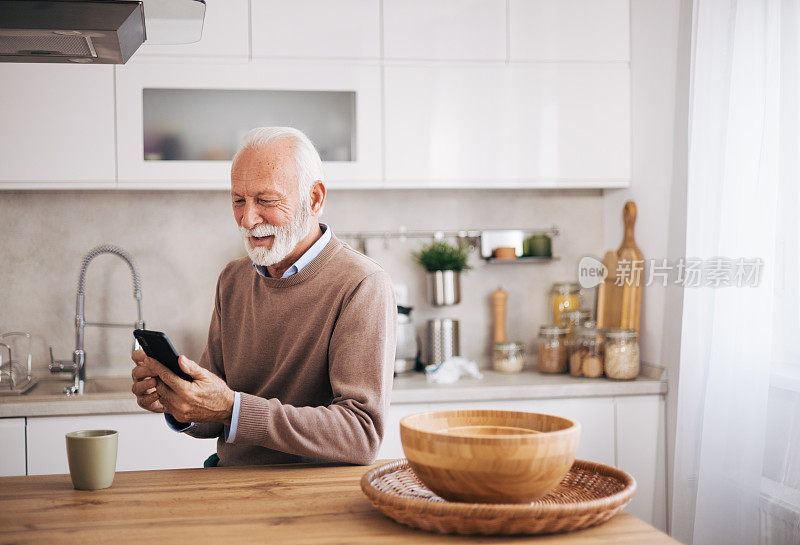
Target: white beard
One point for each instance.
(286, 238)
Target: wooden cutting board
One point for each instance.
(609, 296)
(619, 297)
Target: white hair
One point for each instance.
(307, 162)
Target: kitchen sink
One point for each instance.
(100, 385)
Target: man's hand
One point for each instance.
(206, 399)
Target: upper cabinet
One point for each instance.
(58, 126)
(316, 29)
(394, 93)
(179, 124)
(444, 29)
(569, 30)
(523, 125)
(226, 33)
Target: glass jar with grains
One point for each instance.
(552, 349)
(508, 357)
(622, 354)
(586, 360)
(572, 319)
(564, 296)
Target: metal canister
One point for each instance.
(443, 340)
(444, 288)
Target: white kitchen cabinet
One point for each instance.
(444, 29)
(316, 28)
(58, 126)
(641, 451)
(391, 446)
(596, 417)
(145, 442)
(226, 33)
(360, 79)
(12, 447)
(569, 30)
(518, 125)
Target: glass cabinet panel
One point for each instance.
(207, 124)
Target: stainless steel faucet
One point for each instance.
(78, 364)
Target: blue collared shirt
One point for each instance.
(304, 259)
(297, 266)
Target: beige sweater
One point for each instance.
(312, 354)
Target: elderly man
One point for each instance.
(298, 365)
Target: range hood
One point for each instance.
(93, 31)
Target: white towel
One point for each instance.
(451, 370)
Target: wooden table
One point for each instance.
(280, 504)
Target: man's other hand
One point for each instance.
(144, 384)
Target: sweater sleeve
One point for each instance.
(211, 360)
(360, 367)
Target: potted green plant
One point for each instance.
(444, 263)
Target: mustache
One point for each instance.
(262, 230)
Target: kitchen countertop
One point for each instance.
(414, 388)
(320, 504)
(113, 394)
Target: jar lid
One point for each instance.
(621, 333)
(553, 329)
(510, 345)
(589, 329)
(565, 288)
(576, 315)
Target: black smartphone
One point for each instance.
(157, 346)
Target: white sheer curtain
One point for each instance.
(739, 344)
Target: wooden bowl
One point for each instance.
(505, 252)
(484, 456)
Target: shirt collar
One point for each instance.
(304, 259)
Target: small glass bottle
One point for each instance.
(508, 357)
(564, 296)
(552, 349)
(622, 354)
(586, 360)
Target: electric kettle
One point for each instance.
(407, 343)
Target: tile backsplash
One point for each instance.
(181, 240)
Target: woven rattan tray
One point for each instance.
(590, 494)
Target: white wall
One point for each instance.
(660, 54)
(654, 42)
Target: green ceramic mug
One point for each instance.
(92, 456)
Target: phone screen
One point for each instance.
(157, 346)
